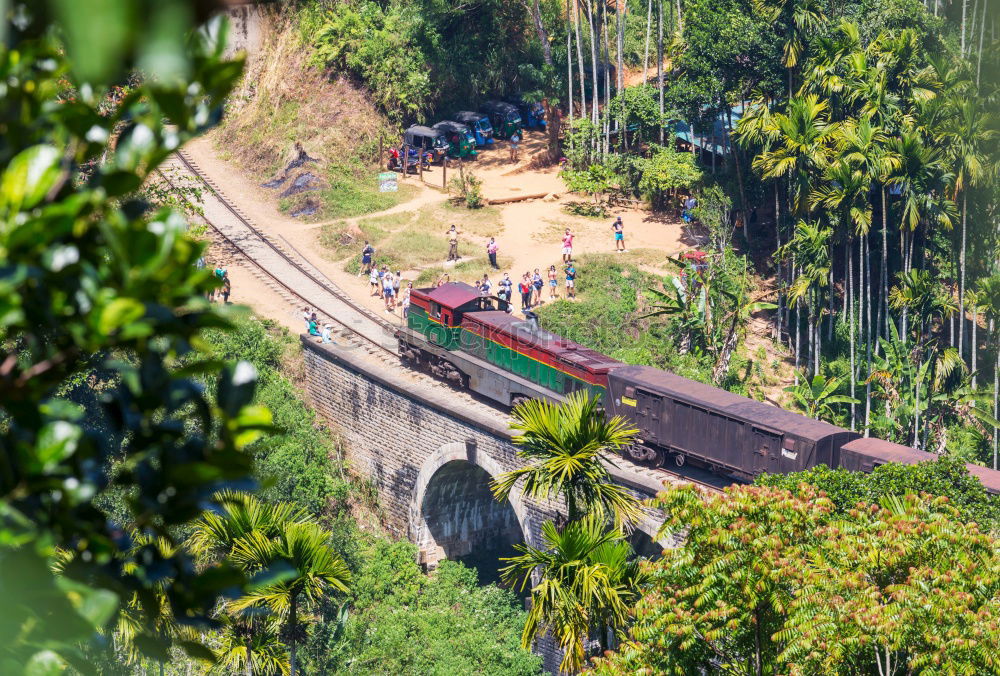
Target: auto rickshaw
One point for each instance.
(478, 123)
(532, 114)
(430, 140)
(505, 118)
(461, 141)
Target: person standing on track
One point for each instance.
(567, 246)
(619, 230)
(227, 287)
(452, 236)
(525, 288)
(491, 253)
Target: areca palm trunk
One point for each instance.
(659, 67)
(593, 59)
(580, 70)
(569, 63)
(883, 306)
(868, 334)
(975, 324)
(996, 388)
(293, 624)
(961, 254)
(649, 27)
(850, 303)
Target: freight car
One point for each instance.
(461, 336)
(685, 420)
(864, 455)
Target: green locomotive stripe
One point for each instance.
(504, 357)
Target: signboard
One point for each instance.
(387, 181)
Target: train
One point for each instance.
(471, 340)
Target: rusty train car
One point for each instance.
(458, 335)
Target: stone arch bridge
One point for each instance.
(432, 457)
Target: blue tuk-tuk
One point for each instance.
(532, 114)
(479, 124)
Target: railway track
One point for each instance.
(289, 273)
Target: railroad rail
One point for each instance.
(294, 274)
(289, 272)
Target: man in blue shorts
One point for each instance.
(619, 235)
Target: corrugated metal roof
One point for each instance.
(452, 294)
(888, 451)
(755, 412)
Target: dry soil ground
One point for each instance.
(529, 233)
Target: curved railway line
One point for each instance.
(286, 270)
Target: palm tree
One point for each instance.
(308, 569)
(918, 291)
(818, 395)
(566, 447)
(968, 132)
(811, 247)
(588, 580)
(988, 291)
(845, 192)
(249, 649)
(800, 17)
(800, 151)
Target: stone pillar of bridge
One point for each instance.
(453, 514)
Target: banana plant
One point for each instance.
(818, 396)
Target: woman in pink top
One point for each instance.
(491, 252)
(567, 246)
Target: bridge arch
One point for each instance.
(453, 514)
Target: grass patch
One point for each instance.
(409, 240)
(465, 271)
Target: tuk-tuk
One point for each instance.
(431, 140)
(461, 142)
(532, 114)
(505, 118)
(478, 123)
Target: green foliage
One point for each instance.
(414, 57)
(818, 395)
(787, 584)
(405, 622)
(297, 465)
(946, 477)
(467, 188)
(666, 171)
(90, 279)
(563, 445)
(596, 180)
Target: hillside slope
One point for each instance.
(283, 103)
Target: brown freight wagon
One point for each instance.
(685, 420)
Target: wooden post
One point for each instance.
(420, 162)
(406, 158)
(381, 151)
(444, 173)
